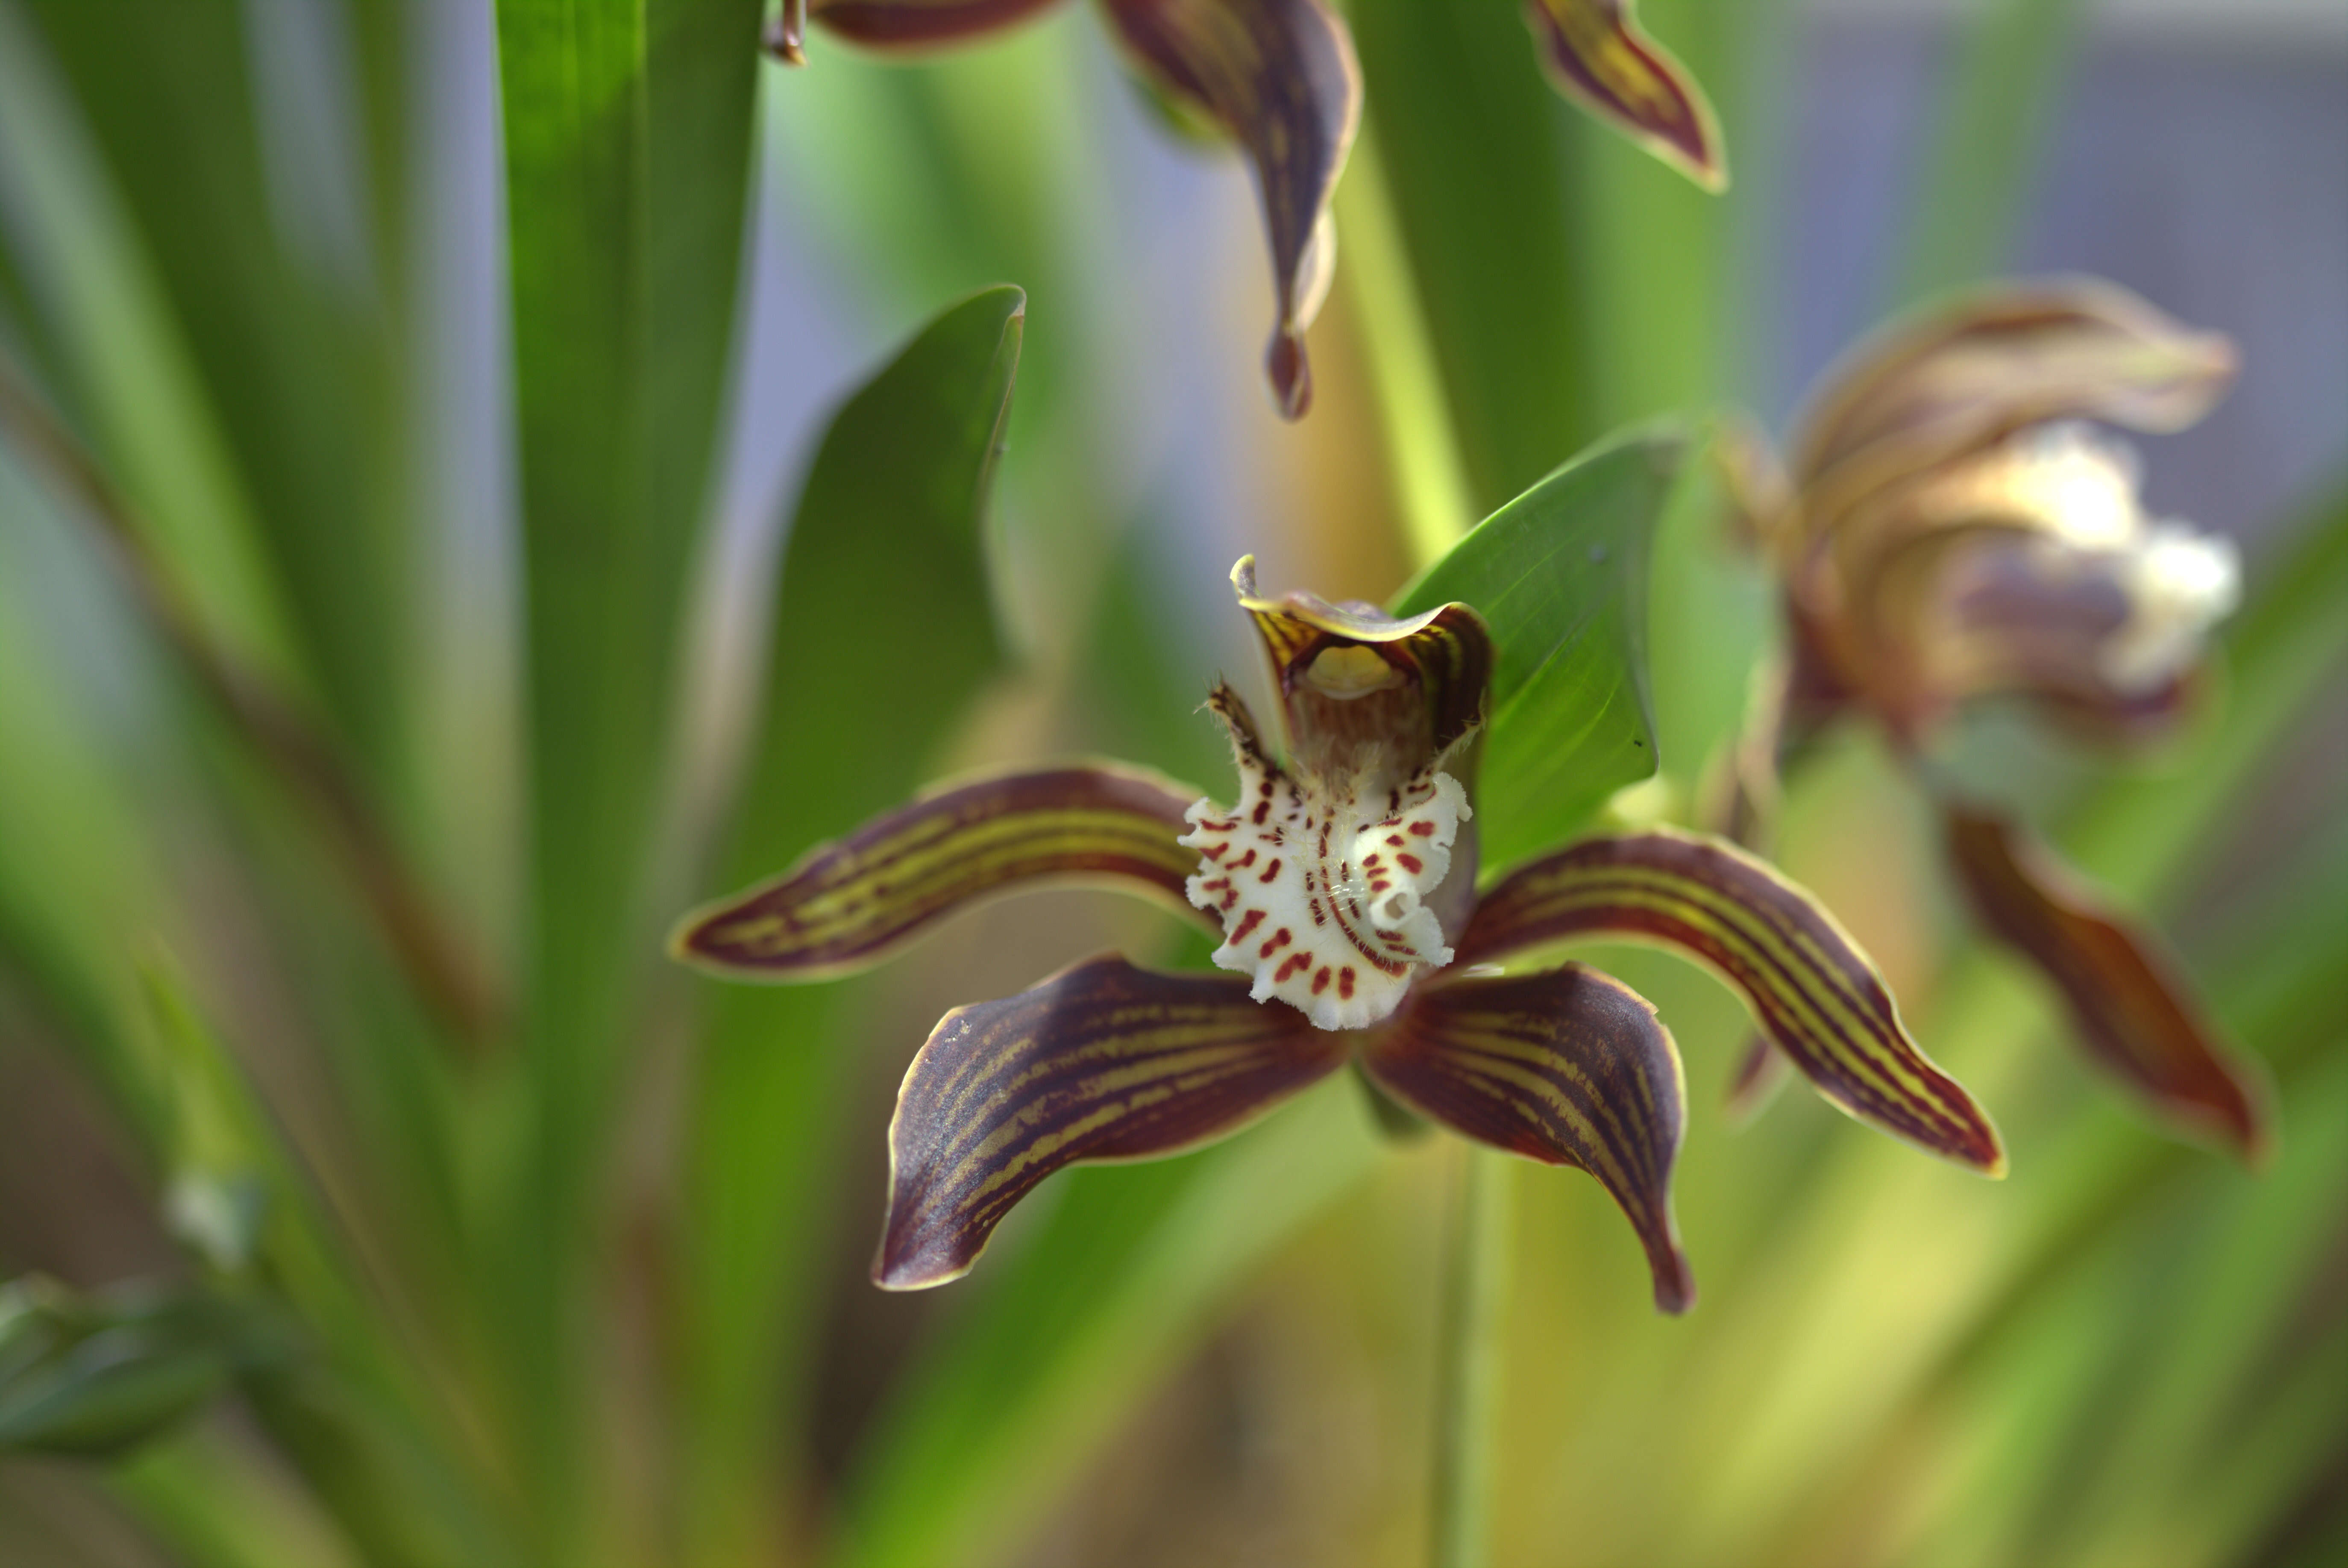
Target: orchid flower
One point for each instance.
(1952, 531)
(1279, 77)
(1343, 882)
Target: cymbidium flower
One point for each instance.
(1952, 531)
(1279, 77)
(1343, 882)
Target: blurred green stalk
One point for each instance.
(1468, 1350)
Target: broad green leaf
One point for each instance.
(884, 632)
(627, 129)
(1560, 576)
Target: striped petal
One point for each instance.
(1569, 1067)
(849, 904)
(1811, 989)
(1103, 1061)
(2133, 1011)
(1279, 77)
(1600, 57)
(897, 25)
(1963, 377)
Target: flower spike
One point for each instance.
(1599, 57)
(1812, 990)
(1569, 1067)
(2136, 1015)
(851, 904)
(1103, 1061)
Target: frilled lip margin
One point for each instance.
(1106, 1061)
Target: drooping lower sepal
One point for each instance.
(1812, 990)
(1569, 1067)
(1103, 1061)
(2134, 1010)
(849, 904)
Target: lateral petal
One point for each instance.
(1569, 1067)
(1278, 76)
(1813, 992)
(849, 904)
(2133, 1009)
(1599, 57)
(1103, 1061)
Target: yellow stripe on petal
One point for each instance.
(1599, 57)
(849, 904)
(1103, 1061)
(1570, 1067)
(1814, 993)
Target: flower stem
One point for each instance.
(1475, 1288)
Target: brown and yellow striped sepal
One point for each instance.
(1103, 1061)
(1280, 78)
(1812, 991)
(1569, 1067)
(1600, 57)
(850, 904)
(2135, 1012)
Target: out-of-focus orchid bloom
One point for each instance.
(1952, 530)
(1343, 884)
(1279, 77)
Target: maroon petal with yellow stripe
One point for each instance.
(1811, 989)
(1570, 1068)
(849, 904)
(2134, 1010)
(1103, 1061)
(1279, 77)
(908, 25)
(1601, 58)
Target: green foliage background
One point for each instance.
(531, 1249)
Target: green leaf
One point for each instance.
(276, 229)
(97, 1378)
(627, 138)
(1467, 136)
(1560, 576)
(2004, 85)
(119, 361)
(883, 633)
